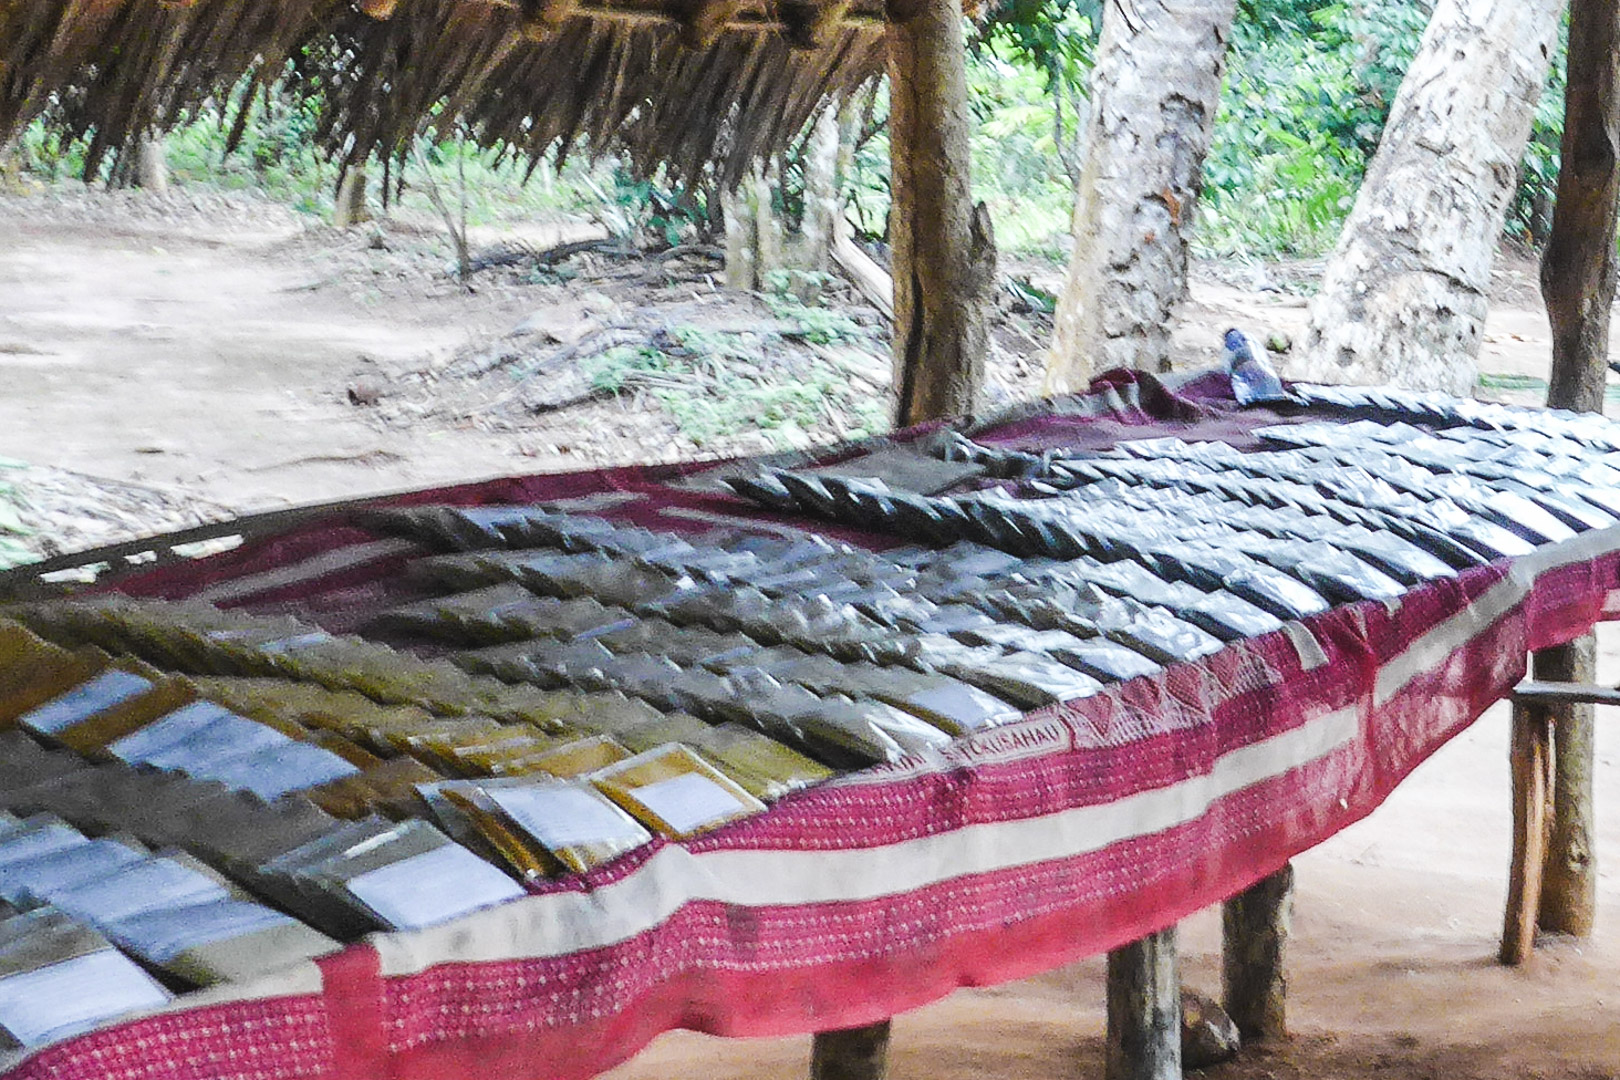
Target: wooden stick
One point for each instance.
(1531, 761)
(1254, 934)
(1568, 901)
(870, 279)
(1144, 1010)
(851, 1054)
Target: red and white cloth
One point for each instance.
(1072, 832)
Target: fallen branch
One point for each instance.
(870, 279)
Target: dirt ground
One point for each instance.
(203, 349)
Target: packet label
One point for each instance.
(688, 802)
(74, 995)
(84, 701)
(561, 816)
(432, 887)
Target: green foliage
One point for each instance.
(1530, 213)
(814, 323)
(1308, 87)
(720, 383)
(1308, 90)
(649, 213)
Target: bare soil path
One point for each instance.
(199, 349)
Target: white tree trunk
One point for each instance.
(823, 202)
(753, 234)
(1404, 295)
(1154, 94)
(152, 163)
(350, 207)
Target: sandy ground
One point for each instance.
(201, 349)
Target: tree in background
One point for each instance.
(1404, 295)
(1155, 91)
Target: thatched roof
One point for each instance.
(682, 82)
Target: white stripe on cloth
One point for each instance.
(562, 923)
(1428, 650)
(301, 979)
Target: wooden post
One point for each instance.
(1254, 937)
(1144, 1010)
(1578, 283)
(1531, 761)
(851, 1054)
(1568, 896)
(944, 250)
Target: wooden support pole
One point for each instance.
(1531, 761)
(1144, 1010)
(1568, 894)
(1254, 937)
(851, 1054)
(944, 249)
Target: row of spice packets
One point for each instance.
(343, 878)
(651, 782)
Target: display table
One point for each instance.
(1084, 826)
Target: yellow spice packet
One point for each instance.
(674, 792)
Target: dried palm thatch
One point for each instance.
(683, 83)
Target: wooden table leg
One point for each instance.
(851, 1054)
(1254, 937)
(1531, 759)
(1144, 1009)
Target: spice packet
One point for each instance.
(674, 792)
(58, 978)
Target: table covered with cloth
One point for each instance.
(1082, 826)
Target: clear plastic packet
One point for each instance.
(569, 821)
(199, 752)
(409, 876)
(1227, 617)
(849, 733)
(760, 765)
(674, 792)
(24, 762)
(166, 731)
(687, 646)
(669, 727)
(218, 940)
(482, 756)
(145, 884)
(569, 759)
(388, 788)
(59, 978)
(1104, 660)
(43, 875)
(116, 686)
(949, 704)
(274, 771)
(477, 616)
(37, 836)
(33, 670)
(1027, 679)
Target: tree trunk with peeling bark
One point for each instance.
(944, 250)
(1404, 295)
(1578, 272)
(1154, 94)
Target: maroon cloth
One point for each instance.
(1074, 831)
